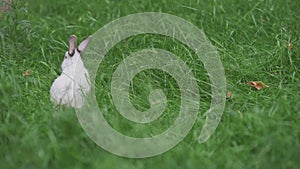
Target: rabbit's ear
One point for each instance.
(83, 44)
(72, 45)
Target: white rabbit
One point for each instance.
(69, 88)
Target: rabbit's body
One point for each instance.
(70, 87)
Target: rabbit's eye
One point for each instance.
(66, 57)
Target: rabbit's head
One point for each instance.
(73, 55)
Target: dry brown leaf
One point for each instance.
(258, 84)
(27, 73)
(229, 95)
(4, 6)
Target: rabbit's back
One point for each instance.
(61, 90)
(69, 89)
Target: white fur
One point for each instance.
(74, 82)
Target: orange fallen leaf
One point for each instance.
(27, 73)
(5, 5)
(258, 84)
(229, 95)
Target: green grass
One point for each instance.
(251, 37)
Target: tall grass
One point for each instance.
(259, 129)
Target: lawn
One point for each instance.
(256, 41)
